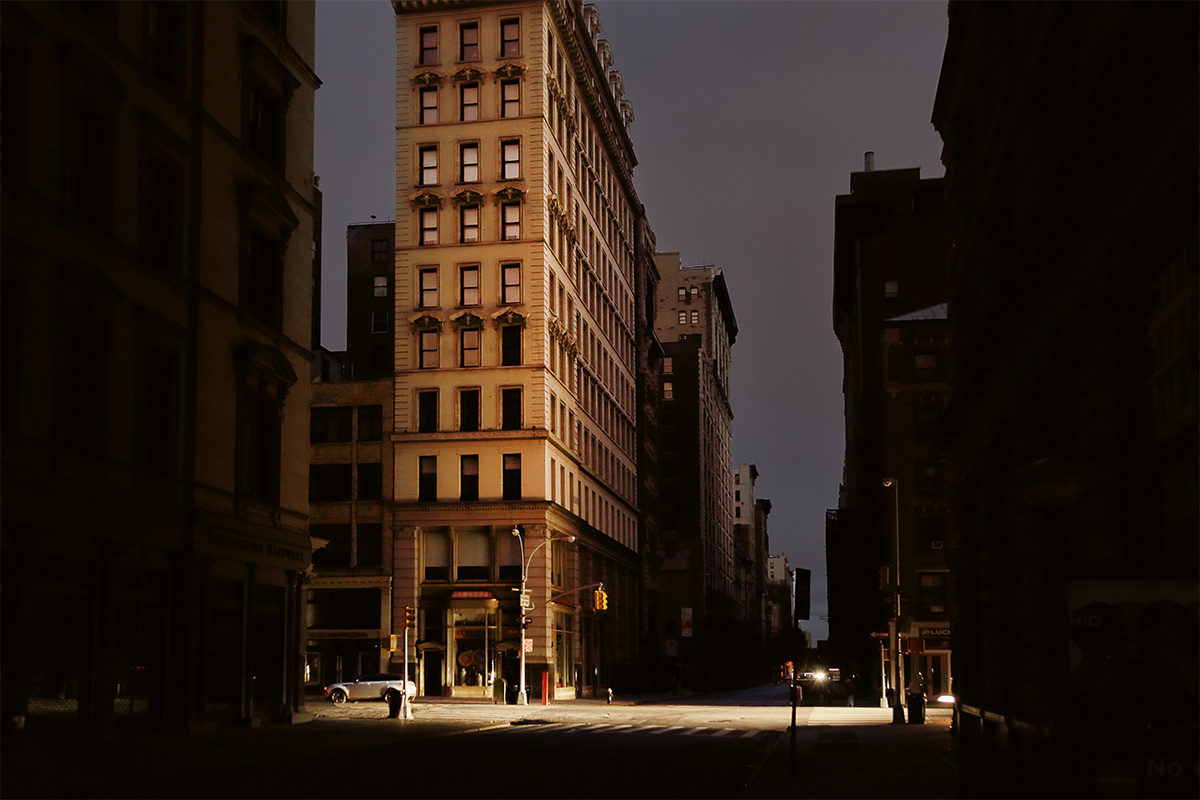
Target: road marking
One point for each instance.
(723, 732)
(693, 731)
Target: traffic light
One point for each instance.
(410, 617)
(603, 600)
(526, 622)
(599, 600)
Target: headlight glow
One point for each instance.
(820, 676)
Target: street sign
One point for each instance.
(526, 601)
(529, 645)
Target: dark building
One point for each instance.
(370, 296)
(158, 228)
(886, 563)
(1070, 438)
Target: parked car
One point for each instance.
(369, 686)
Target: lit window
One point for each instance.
(469, 224)
(429, 105)
(512, 283)
(468, 41)
(695, 317)
(510, 159)
(469, 347)
(510, 38)
(429, 350)
(511, 213)
(682, 293)
(668, 365)
(468, 285)
(683, 318)
(668, 390)
(381, 286)
(429, 226)
(429, 46)
(510, 98)
(695, 290)
(469, 97)
(429, 166)
(469, 163)
(429, 287)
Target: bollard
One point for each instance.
(610, 695)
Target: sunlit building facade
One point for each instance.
(515, 358)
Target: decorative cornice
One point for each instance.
(510, 194)
(426, 322)
(427, 200)
(509, 317)
(428, 78)
(509, 71)
(468, 75)
(466, 319)
(468, 197)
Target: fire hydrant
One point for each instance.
(610, 695)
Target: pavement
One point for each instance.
(833, 752)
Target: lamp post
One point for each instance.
(522, 698)
(893, 634)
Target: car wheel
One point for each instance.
(338, 696)
(391, 694)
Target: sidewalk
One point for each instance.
(859, 753)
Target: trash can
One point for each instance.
(499, 692)
(916, 708)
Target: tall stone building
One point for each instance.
(886, 546)
(1071, 144)
(695, 324)
(158, 204)
(516, 363)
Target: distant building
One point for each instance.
(695, 324)
(517, 256)
(1070, 437)
(886, 544)
(158, 230)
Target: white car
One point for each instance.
(370, 686)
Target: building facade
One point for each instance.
(1070, 436)
(158, 205)
(885, 545)
(516, 263)
(695, 325)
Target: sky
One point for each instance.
(749, 116)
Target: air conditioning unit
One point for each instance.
(936, 544)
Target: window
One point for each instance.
(265, 125)
(931, 532)
(469, 478)
(929, 477)
(429, 287)
(380, 286)
(337, 552)
(468, 95)
(429, 165)
(429, 350)
(437, 556)
(429, 232)
(668, 365)
(510, 345)
(368, 543)
(931, 593)
(510, 409)
(468, 41)
(668, 390)
(511, 289)
(370, 482)
(370, 423)
(683, 293)
(156, 405)
(511, 216)
(683, 317)
(468, 409)
(469, 162)
(429, 105)
(161, 213)
(262, 277)
(510, 159)
(429, 45)
(468, 224)
(379, 321)
(891, 288)
(427, 479)
(510, 98)
(329, 483)
(510, 38)
(427, 411)
(379, 252)
(474, 564)
(512, 476)
(469, 347)
(326, 424)
(468, 285)
(695, 292)
(695, 317)
(925, 366)
(164, 41)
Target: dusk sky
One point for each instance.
(748, 119)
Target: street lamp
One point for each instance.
(522, 698)
(893, 641)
